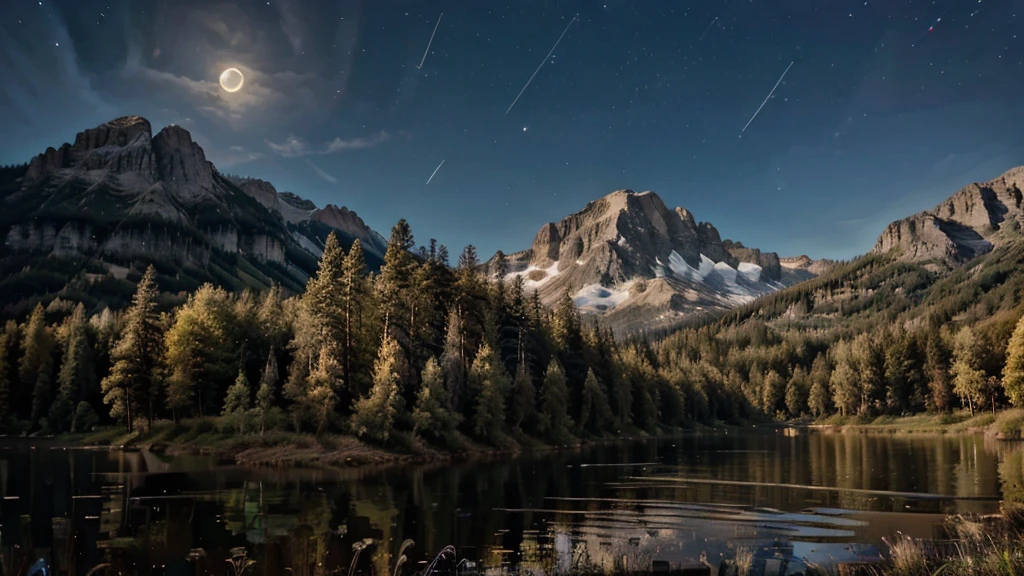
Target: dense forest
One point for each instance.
(445, 353)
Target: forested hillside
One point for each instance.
(420, 347)
(875, 336)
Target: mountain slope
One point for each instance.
(638, 264)
(967, 224)
(81, 220)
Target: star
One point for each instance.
(525, 128)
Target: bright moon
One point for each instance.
(231, 80)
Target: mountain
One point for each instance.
(309, 224)
(81, 221)
(968, 224)
(636, 263)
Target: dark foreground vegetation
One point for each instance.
(426, 354)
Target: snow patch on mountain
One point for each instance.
(532, 275)
(751, 272)
(598, 298)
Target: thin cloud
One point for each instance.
(338, 144)
(293, 146)
(319, 172)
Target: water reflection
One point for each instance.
(613, 507)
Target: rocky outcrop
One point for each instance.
(628, 254)
(968, 224)
(182, 165)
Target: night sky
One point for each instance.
(888, 107)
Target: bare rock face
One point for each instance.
(121, 146)
(349, 222)
(628, 255)
(968, 224)
(182, 165)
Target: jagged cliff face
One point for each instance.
(967, 224)
(630, 258)
(119, 194)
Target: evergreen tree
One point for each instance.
(326, 310)
(375, 414)
(237, 399)
(820, 400)
(595, 414)
(36, 366)
(76, 372)
(843, 380)
(432, 416)
(355, 366)
(201, 356)
(1013, 372)
(797, 392)
(969, 379)
(128, 388)
(774, 392)
(267, 390)
(554, 401)
(567, 336)
(488, 384)
(523, 403)
(937, 371)
(453, 361)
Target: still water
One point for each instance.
(627, 506)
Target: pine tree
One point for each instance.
(326, 310)
(797, 390)
(523, 405)
(774, 392)
(820, 400)
(432, 416)
(595, 414)
(237, 399)
(200, 353)
(375, 414)
(76, 372)
(937, 370)
(36, 366)
(453, 362)
(127, 389)
(1013, 371)
(322, 392)
(554, 401)
(489, 384)
(567, 336)
(267, 390)
(356, 292)
(843, 380)
(969, 379)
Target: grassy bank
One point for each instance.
(220, 438)
(1005, 425)
(974, 545)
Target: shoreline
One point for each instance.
(1005, 425)
(280, 449)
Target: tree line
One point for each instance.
(445, 352)
(420, 347)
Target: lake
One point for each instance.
(628, 506)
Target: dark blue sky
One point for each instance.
(877, 118)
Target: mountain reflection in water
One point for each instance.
(621, 507)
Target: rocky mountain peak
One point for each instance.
(628, 250)
(967, 224)
(181, 163)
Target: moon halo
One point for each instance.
(231, 80)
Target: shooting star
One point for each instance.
(431, 41)
(435, 172)
(708, 28)
(766, 99)
(541, 65)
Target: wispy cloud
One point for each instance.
(338, 144)
(293, 146)
(319, 172)
(291, 23)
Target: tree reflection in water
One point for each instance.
(604, 508)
